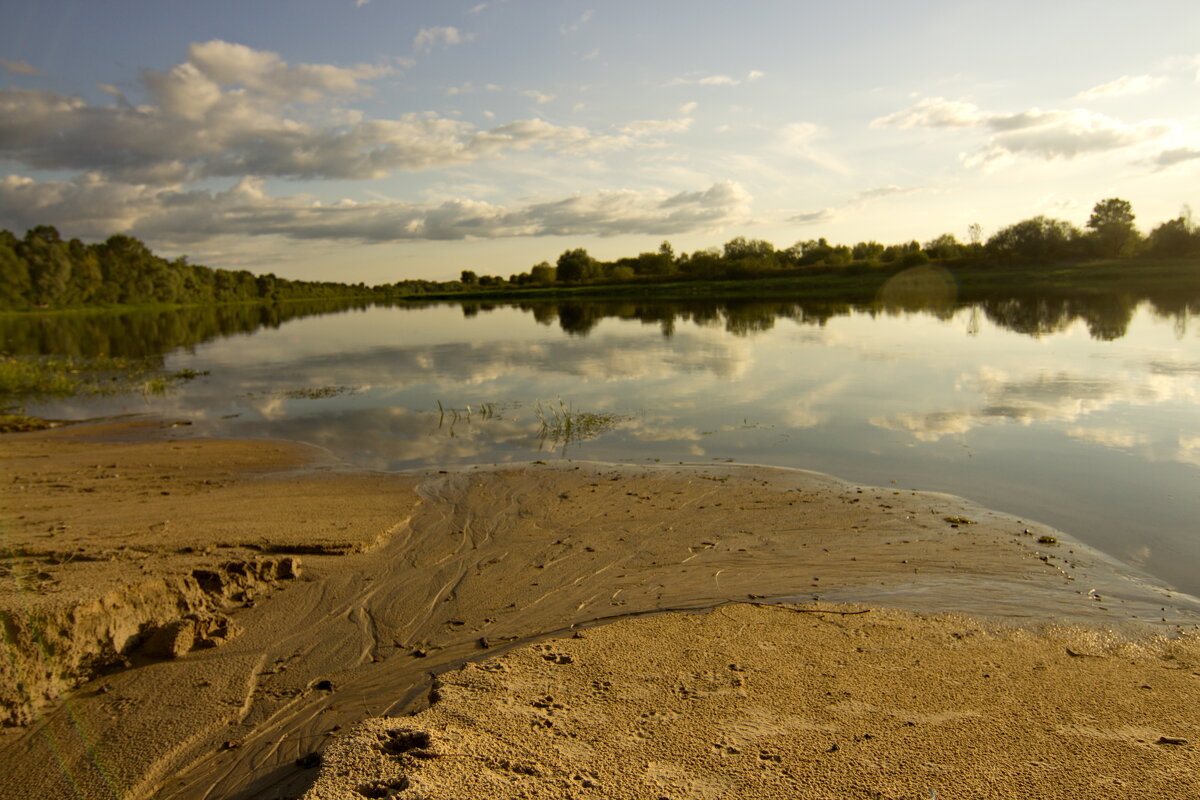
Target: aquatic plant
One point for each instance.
(560, 424)
(34, 377)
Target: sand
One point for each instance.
(191, 618)
(757, 702)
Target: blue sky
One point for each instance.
(386, 139)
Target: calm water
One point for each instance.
(1083, 415)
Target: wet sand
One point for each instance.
(389, 578)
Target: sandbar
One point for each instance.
(198, 618)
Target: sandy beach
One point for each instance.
(194, 618)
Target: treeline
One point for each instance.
(1110, 234)
(42, 270)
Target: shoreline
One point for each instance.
(404, 574)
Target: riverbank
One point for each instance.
(283, 600)
(866, 282)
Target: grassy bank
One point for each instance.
(864, 282)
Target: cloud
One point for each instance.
(1125, 85)
(574, 27)
(92, 206)
(814, 217)
(716, 80)
(429, 38)
(933, 112)
(884, 191)
(825, 215)
(208, 134)
(687, 108)
(1048, 135)
(1177, 155)
(798, 139)
(650, 127)
(541, 98)
(18, 67)
(230, 111)
(477, 8)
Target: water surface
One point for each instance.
(1081, 413)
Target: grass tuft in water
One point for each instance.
(563, 425)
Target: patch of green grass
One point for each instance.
(25, 378)
(562, 425)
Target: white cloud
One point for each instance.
(574, 27)
(541, 98)
(825, 215)
(1047, 135)
(230, 111)
(429, 38)
(477, 8)
(933, 112)
(650, 127)
(18, 67)
(715, 80)
(1125, 85)
(687, 108)
(92, 206)
(799, 139)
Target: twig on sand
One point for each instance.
(809, 610)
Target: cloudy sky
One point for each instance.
(376, 140)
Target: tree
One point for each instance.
(1112, 225)
(542, 273)
(1036, 239)
(576, 265)
(1172, 238)
(867, 251)
(49, 263)
(943, 247)
(14, 274)
(469, 277)
(975, 234)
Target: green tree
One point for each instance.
(1172, 238)
(469, 278)
(1112, 227)
(576, 265)
(943, 247)
(866, 251)
(49, 263)
(542, 273)
(15, 287)
(1036, 239)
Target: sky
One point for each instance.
(378, 140)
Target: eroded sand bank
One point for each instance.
(403, 575)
